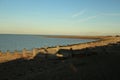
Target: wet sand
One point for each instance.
(98, 62)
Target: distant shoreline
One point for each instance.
(75, 37)
(64, 36)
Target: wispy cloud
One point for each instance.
(78, 13)
(88, 18)
(101, 14)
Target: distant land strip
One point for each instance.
(76, 37)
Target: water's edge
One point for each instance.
(18, 42)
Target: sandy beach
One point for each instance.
(98, 60)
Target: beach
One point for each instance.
(97, 60)
(59, 39)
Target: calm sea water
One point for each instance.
(18, 42)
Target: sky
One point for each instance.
(60, 17)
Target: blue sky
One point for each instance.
(64, 17)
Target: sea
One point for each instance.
(17, 42)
